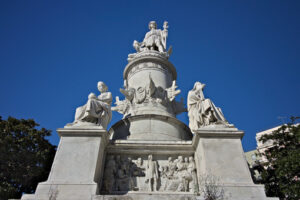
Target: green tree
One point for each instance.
(281, 172)
(25, 156)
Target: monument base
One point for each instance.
(77, 167)
(219, 154)
(61, 191)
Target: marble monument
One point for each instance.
(148, 154)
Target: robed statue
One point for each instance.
(155, 39)
(97, 110)
(202, 111)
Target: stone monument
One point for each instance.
(148, 154)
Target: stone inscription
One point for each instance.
(123, 174)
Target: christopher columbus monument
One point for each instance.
(149, 154)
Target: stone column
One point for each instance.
(77, 167)
(219, 153)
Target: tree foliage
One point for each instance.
(26, 156)
(281, 172)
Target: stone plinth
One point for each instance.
(219, 153)
(77, 167)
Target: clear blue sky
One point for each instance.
(52, 53)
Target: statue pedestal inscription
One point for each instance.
(149, 154)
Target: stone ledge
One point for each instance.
(220, 132)
(149, 196)
(150, 147)
(82, 131)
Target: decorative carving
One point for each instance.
(140, 95)
(125, 106)
(149, 94)
(96, 111)
(172, 92)
(124, 174)
(149, 65)
(202, 111)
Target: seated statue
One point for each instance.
(201, 111)
(154, 40)
(97, 110)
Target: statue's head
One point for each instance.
(102, 87)
(152, 25)
(186, 159)
(180, 159)
(150, 157)
(170, 159)
(198, 86)
(191, 159)
(140, 161)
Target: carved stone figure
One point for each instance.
(139, 168)
(171, 167)
(202, 111)
(122, 182)
(154, 40)
(191, 169)
(97, 110)
(182, 174)
(109, 175)
(151, 174)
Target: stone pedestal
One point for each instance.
(219, 154)
(77, 167)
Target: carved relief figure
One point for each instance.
(97, 109)
(125, 174)
(109, 175)
(191, 169)
(182, 174)
(151, 174)
(202, 111)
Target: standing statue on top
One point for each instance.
(97, 110)
(202, 111)
(155, 40)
